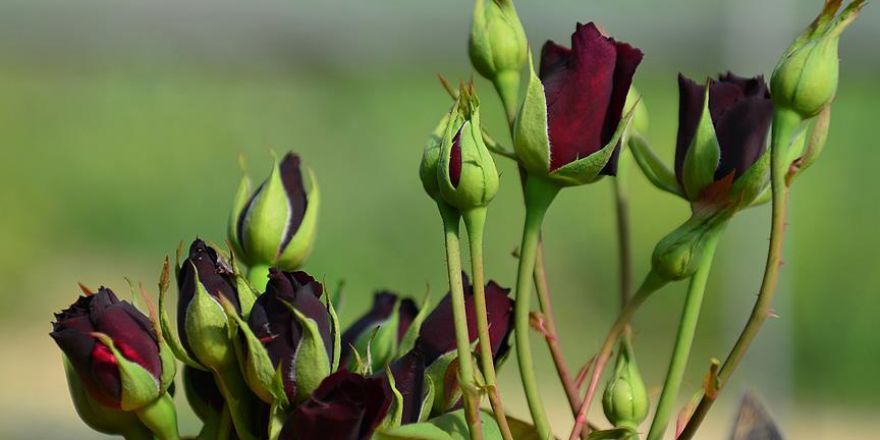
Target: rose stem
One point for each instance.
(687, 326)
(785, 126)
(451, 219)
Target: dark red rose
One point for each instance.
(276, 326)
(95, 364)
(346, 406)
(383, 305)
(585, 88)
(437, 333)
(741, 112)
(215, 275)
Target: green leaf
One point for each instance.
(652, 167)
(703, 155)
(455, 424)
(522, 430)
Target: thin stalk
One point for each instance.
(538, 196)
(785, 126)
(451, 219)
(551, 334)
(624, 240)
(687, 327)
(475, 221)
(651, 284)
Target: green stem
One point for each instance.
(507, 85)
(239, 400)
(258, 276)
(451, 219)
(475, 221)
(651, 284)
(160, 417)
(785, 128)
(624, 241)
(225, 428)
(539, 194)
(687, 327)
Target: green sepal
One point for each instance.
(412, 333)
(431, 157)
(207, 327)
(266, 220)
(530, 134)
(256, 366)
(300, 246)
(395, 411)
(160, 416)
(337, 335)
(277, 416)
(703, 155)
(747, 187)
(239, 203)
(427, 399)
(765, 197)
(358, 364)
(168, 363)
(588, 169)
(817, 139)
(247, 295)
(312, 364)
(101, 418)
(380, 342)
(652, 167)
(170, 337)
(139, 387)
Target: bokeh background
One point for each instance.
(121, 123)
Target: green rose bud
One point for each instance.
(498, 47)
(466, 172)
(275, 225)
(625, 400)
(678, 255)
(805, 79)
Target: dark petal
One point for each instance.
(455, 159)
(383, 306)
(742, 134)
(138, 343)
(344, 406)
(303, 279)
(307, 301)
(77, 343)
(409, 379)
(437, 334)
(751, 87)
(722, 96)
(104, 369)
(201, 384)
(553, 58)
(406, 313)
(291, 177)
(578, 95)
(690, 107)
(628, 58)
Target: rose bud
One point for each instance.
(570, 124)
(625, 400)
(383, 328)
(118, 358)
(466, 171)
(806, 76)
(203, 278)
(437, 338)
(345, 406)
(430, 159)
(291, 333)
(275, 225)
(498, 47)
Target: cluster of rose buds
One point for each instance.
(264, 355)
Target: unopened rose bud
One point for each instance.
(805, 79)
(466, 172)
(498, 47)
(275, 226)
(625, 400)
(382, 329)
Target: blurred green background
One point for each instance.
(121, 123)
